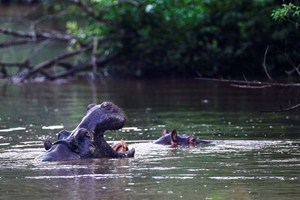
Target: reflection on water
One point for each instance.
(160, 171)
(252, 155)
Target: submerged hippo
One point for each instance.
(174, 139)
(87, 139)
(77, 146)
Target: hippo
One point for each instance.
(77, 146)
(174, 139)
(87, 139)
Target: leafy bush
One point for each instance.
(152, 38)
(287, 11)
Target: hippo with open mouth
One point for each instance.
(87, 139)
(174, 139)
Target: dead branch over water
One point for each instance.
(27, 70)
(59, 66)
(250, 84)
(245, 84)
(38, 34)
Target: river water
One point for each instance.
(253, 155)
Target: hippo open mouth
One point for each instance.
(87, 139)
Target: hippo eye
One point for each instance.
(107, 106)
(192, 140)
(87, 134)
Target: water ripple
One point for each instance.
(282, 178)
(96, 176)
(13, 129)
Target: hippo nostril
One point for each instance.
(91, 106)
(87, 134)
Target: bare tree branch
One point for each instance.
(253, 83)
(48, 63)
(251, 86)
(257, 85)
(82, 67)
(293, 70)
(38, 34)
(18, 64)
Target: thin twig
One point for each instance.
(250, 82)
(264, 64)
(251, 86)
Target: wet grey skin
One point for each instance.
(99, 118)
(172, 138)
(76, 146)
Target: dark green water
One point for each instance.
(254, 155)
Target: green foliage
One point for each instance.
(183, 37)
(286, 11)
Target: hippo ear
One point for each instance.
(90, 106)
(63, 134)
(47, 144)
(174, 136)
(164, 132)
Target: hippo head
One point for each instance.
(174, 139)
(87, 139)
(102, 117)
(69, 146)
(182, 139)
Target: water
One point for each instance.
(253, 155)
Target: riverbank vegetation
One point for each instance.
(149, 38)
